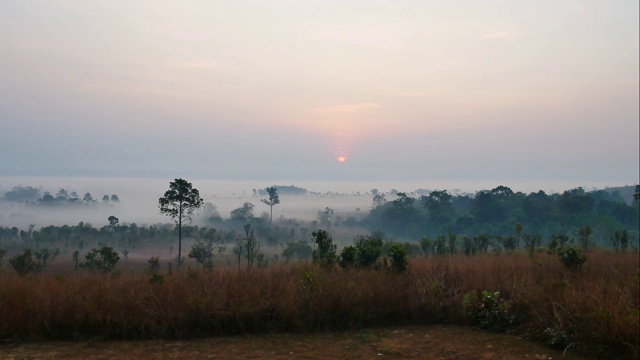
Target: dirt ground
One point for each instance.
(413, 342)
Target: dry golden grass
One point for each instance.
(596, 308)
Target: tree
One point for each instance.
(180, 202)
(325, 254)
(369, 249)
(88, 198)
(24, 263)
(583, 234)
(103, 260)
(105, 199)
(204, 248)
(244, 213)
(251, 246)
(113, 222)
(519, 228)
(378, 199)
(531, 241)
(325, 216)
(398, 255)
(274, 199)
(440, 207)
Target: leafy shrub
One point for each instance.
(300, 249)
(348, 257)
(572, 258)
(24, 263)
(398, 255)
(204, 248)
(491, 311)
(3, 252)
(325, 253)
(103, 260)
(44, 257)
(369, 249)
(154, 267)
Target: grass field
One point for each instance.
(593, 310)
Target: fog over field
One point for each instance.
(139, 198)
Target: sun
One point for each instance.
(342, 159)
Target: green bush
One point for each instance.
(398, 255)
(325, 253)
(24, 263)
(369, 249)
(103, 260)
(348, 257)
(491, 311)
(572, 258)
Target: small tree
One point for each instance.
(113, 222)
(531, 241)
(45, 257)
(620, 240)
(482, 242)
(244, 213)
(274, 199)
(452, 242)
(583, 234)
(3, 252)
(510, 242)
(23, 263)
(348, 257)
(76, 255)
(252, 248)
(180, 202)
(519, 228)
(325, 253)
(369, 249)
(572, 258)
(469, 246)
(103, 260)
(203, 249)
(398, 255)
(425, 245)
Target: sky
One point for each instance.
(402, 90)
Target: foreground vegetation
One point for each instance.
(594, 308)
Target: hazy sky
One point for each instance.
(406, 90)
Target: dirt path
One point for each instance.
(414, 342)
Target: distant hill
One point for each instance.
(626, 192)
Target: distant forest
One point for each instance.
(499, 217)
(500, 211)
(63, 197)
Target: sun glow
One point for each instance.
(342, 159)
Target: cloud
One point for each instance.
(507, 35)
(348, 108)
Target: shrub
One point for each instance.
(491, 311)
(203, 249)
(572, 258)
(45, 257)
(24, 263)
(3, 252)
(103, 260)
(154, 267)
(398, 255)
(369, 249)
(325, 254)
(300, 249)
(348, 257)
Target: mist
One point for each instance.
(139, 198)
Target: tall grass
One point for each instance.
(596, 308)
